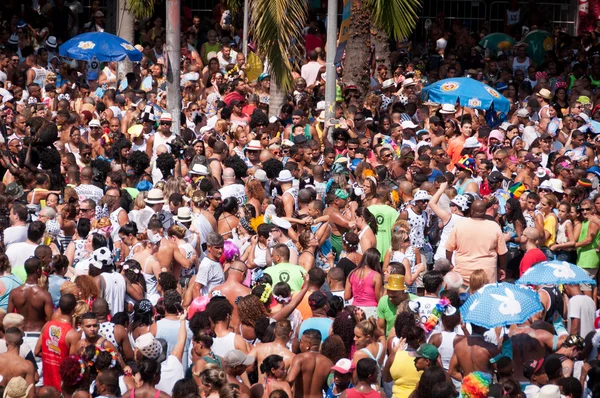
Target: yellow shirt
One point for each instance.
(405, 375)
(550, 226)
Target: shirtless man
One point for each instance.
(472, 354)
(309, 370)
(283, 333)
(530, 342)
(11, 363)
(90, 326)
(339, 220)
(233, 288)
(526, 174)
(31, 301)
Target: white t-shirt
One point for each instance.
(171, 370)
(582, 307)
(236, 191)
(15, 234)
(20, 252)
(210, 274)
(3, 77)
(310, 71)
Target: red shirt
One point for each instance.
(311, 42)
(54, 351)
(530, 258)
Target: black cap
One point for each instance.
(434, 119)
(495, 177)
(299, 139)
(298, 112)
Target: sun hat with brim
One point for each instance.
(166, 117)
(557, 185)
(408, 82)
(17, 388)
(14, 190)
(184, 214)
(135, 130)
(407, 124)
(94, 123)
(199, 169)
(472, 142)
(155, 196)
(285, 176)
(234, 358)
(343, 366)
(585, 100)
(51, 42)
(151, 347)
(395, 283)
(448, 109)
(549, 391)
(254, 145)
(461, 201)
(389, 83)
(545, 94)
(261, 175)
(546, 185)
(281, 222)
(421, 195)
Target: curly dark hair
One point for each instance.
(134, 274)
(139, 162)
(272, 167)
(47, 133)
(167, 281)
(238, 165)
(165, 163)
(333, 348)
(117, 146)
(258, 118)
(250, 309)
(343, 326)
(100, 168)
(49, 157)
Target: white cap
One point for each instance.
(407, 124)
(471, 142)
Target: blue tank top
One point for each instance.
(169, 329)
(11, 282)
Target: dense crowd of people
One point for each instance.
(293, 255)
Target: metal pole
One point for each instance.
(332, 11)
(174, 62)
(246, 22)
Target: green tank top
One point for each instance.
(208, 48)
(586, 255)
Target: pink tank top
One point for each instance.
(363, 290)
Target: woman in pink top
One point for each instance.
(364, 283)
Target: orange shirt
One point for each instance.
(455, 147)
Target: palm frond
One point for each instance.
(398, 18)
(235, 6)
(142, 9)
(276, 27)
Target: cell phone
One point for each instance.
(334, 121)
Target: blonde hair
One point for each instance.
(368, 327)
(139, 202)
(477, 280)
(213, 376)
(400, 234)
(12, 320)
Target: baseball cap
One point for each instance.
(530, 157)
(317, 300)
(523, 112)
(428, 351)
(235, 358)
(495, 177)
(343, 366)
(532, 367)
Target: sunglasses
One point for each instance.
(583, 209)
(165, 123)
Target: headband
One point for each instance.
(341, 193)
(346, 242)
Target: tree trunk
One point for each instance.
(125, 31)
(357, 69)
(381, 42)
(276, 98)
(174, 63)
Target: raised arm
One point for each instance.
(436, 208)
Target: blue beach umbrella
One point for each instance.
(555, 273)
(500, 304)
(99, 45)
(468, 92)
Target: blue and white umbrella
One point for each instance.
(468, 92)
(500, 304)
(555, 273)
(101, 46)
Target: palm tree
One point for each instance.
(373, 22)
(276, 27)
(128, 10)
